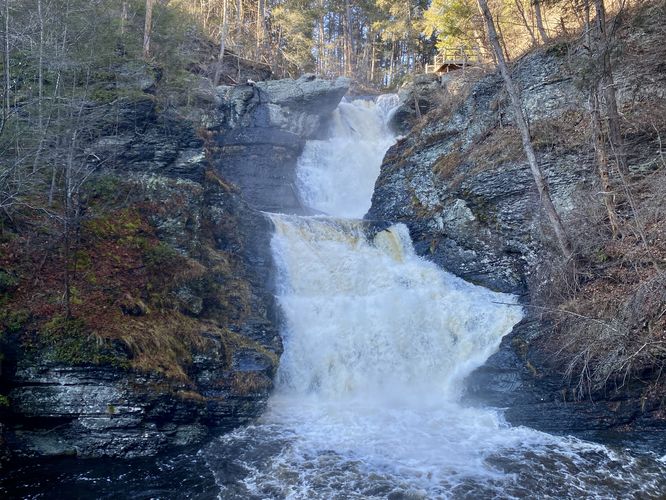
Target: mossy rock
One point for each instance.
(67, 341)
(7, 281)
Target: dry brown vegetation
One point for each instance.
(608, 306)
(125, 305)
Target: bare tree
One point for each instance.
(224, 29)
(539, 20)
(6, 61)
(521, 122)
(607, 87)
(530, 30)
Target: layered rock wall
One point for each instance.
(262, 129)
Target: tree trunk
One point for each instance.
(40, 69)
(607, 85)
(148, 28)
(349, 41)
(223, 40)
(539, 20)
(521, 11)
(320, 39)
(521, 122)
(602, 160)
(372, 61)
(502, 41)
(123, 18)
(7, 75)
(260, 27)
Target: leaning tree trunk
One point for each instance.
(542, 185)
(539, 20)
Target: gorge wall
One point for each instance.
(174, 327)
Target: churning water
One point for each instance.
(377, 344)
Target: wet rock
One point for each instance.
(261, 130)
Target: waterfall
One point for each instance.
(377, 343)
(337, 175)
(370, 317)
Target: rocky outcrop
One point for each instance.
(415, 100)
(179, 272)
(459, 181)
(479, 223)
(261, 130)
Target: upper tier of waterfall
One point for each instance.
(336, 175)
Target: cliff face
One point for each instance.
(264, 128)
(173, 327)
(460, 182)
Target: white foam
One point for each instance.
(337, 175)
(377, 343)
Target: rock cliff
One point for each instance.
(174, 327)
(263, 128)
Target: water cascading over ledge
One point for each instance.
(378, 342)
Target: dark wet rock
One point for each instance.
(416, 99)
(261, 130)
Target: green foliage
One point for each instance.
(7, 281)
(297, 19)
(162, 256)
(66, 340)
(454, 22)
(13, 321)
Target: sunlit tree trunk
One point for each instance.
(530, 31)
(521, 122)
(260, 27)
(223, 40)
(539, 20)
(147, 30)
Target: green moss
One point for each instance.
(119, 224)
(7, 281)
(4, 401)
(108, 95)
(103, 187)
(68, 341)
(161, 256)
(12, 321)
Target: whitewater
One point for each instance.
(377, 345)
